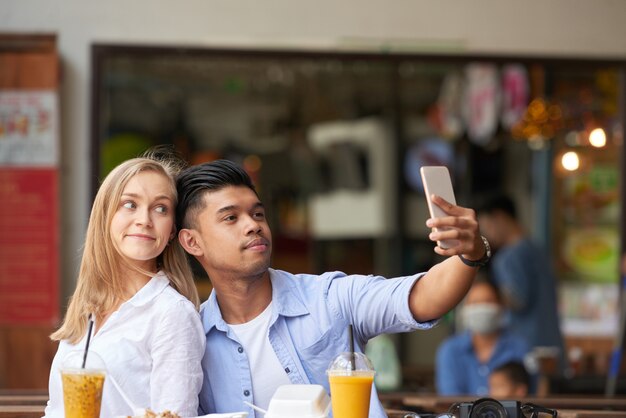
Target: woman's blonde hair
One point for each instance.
(100, 284)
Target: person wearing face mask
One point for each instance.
(465, 361)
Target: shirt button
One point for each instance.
(240, 349)
(287, 370)
(246, 393)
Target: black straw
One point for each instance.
(88, 339)
(352, 364)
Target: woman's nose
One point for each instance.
(143, 217)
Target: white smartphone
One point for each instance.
(436, 180)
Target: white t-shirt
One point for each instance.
(267, 372)
(153, 347)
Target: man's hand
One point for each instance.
(460, 227)
(446, 283)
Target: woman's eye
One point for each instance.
(129, 205)
(161, 209)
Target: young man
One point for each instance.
(523, 273)
(265, 327)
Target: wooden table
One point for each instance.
(21, 411)
(23, 399)
(442, 403)
(566, 413)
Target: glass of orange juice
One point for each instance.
(350, 376)
(82, 386)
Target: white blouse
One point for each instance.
(152, 345)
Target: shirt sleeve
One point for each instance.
(177, 351)
(54, 407)
(374, 305)
(447, 371)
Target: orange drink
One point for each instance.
(350, 394)
(82, 392)
(350, 376)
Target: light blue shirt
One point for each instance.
(308, 329)
(458, 370)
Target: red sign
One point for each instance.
(29, 246)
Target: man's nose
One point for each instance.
(252, 226)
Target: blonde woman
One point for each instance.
(135, 279)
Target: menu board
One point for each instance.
(590, 214)
(29, 218)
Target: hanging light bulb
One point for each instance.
(597, 138)
(570, 161)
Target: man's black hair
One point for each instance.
(501, 203)
(194, 181)
(515, 372)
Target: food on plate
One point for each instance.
(151, 414)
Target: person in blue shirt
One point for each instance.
(465, 361)
(265, 327)
(523, 273)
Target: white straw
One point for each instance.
(136, 411)
(255, 407)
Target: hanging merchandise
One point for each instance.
(449, 105)
(514, 94)
(481, 103)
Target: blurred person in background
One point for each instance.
(465, 361)
(135, 280)
(523, 273)
(509, 381)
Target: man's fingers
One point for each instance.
(451, 209)
(457, 249)
(451, 234)
(452, 222)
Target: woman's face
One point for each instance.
(144, 221)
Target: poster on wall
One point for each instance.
(590, 240)
(29, 238)
(28, 128)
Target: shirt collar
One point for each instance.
(151, 290)
(285, 301)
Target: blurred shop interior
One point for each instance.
(334, 141)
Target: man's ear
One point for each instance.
(187, 238)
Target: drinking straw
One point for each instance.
(352, 365)
(88, 339)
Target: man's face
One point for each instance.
(230, 235)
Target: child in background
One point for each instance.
(509, 381)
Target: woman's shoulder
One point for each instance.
(169, 298)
